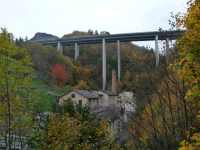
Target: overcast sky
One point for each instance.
(58, 17)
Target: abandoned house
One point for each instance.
(85, 98)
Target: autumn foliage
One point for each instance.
(60, 74)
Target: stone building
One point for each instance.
(86, 98)
(95, 99)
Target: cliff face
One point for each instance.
(40, 36)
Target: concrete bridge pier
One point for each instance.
(104, 64)
(76, 51)
(118, 60)
(167, 45)
(167, 49)
(59, 47)
(157, 51)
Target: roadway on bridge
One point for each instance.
(126, 37)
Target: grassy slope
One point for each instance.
(48, 94)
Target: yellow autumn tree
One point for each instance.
(66, 132)
(82, 85)
(188, 67)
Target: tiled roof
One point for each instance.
(88, 94)
(109, 112)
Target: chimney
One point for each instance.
(114, 82)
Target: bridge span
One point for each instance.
(112, 38)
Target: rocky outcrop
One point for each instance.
(41, 36)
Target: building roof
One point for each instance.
(88, 94)
(107, 112)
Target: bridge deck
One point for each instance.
(127, 37)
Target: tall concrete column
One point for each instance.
(59, 47)
(76, 51)
(167, 50)
(156, 50)
(104, 64)
(114, 83)
(118, 60)
(167, 46)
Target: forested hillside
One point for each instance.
(55, 69)
(34, 76)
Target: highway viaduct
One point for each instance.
(112, 38)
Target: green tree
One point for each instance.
(15, 92)
(75, 128)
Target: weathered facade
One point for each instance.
(86, 98)
(95, 99)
